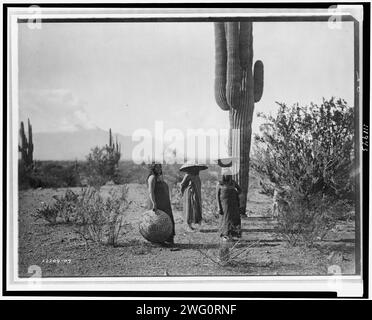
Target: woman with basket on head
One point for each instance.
(228, 203)
(191, 192)
(159, 198)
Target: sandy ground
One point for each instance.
(61, 252)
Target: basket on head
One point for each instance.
(190, 166)
(155, 226)
(226, 162)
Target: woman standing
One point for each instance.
(228, 206)
(191, 192)
(159, 195)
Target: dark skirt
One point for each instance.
(230, 222)
(191, 205)
(162, 200)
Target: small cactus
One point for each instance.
(114, 152)
(27, 146)
(114, 147)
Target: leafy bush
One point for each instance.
(47, 213)
(24, 173)
(100, 219)
(129, 172)
(229, 254)
(102, 165)
(309, 151)
(66, 205)
(176, 197)
(63, 209)
(210, 210)
(48, 175)
(91, 215)
(306, 220)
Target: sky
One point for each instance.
(126, 76)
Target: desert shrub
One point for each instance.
(46, 212)
(62, 210)
(24, 173)
(99, 218)
(230, 253)
(48, 175)
(66, 205)
(310, 152)
(102, 165)
(130, 172)
(209, 202)
(91, 215)
(307, 220)
(176, 197)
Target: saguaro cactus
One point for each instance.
(237, 88)
(27, 146)
(114, 147)
(114, 154)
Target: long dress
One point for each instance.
(228, 203)
(192, 205)
(162, 200)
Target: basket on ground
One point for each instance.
(155, 226)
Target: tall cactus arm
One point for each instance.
(234, 71)
(110, 138)
(23, 136)
(117, 148)
(246, 47)
(30, 142)
(258, 80)
(27, 146)
(220, 67)
(23, 146)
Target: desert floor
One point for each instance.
(61, 252)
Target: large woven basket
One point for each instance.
(155, 226)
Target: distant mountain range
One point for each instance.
(76, 145)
